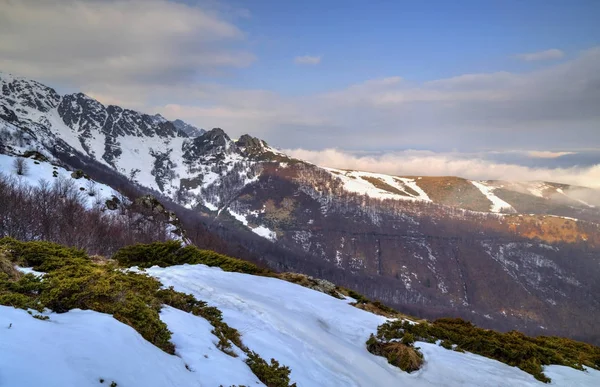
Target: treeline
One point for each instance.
(60, 212)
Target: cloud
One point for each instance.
(553, 53)
(548, 154)
(308, 60)
(427, 163)
(93, 43)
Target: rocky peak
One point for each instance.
(189, 130)
(213, 142)
(251, 143)
(21, 92)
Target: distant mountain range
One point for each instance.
(503, 254)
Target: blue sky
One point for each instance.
(416, 40)
(501, 81)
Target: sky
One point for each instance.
(504, 82)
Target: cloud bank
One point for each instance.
(427, 163)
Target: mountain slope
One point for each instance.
(503, 254)
(321, 338)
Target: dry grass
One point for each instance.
(382, 185)
(8, 268)
(455, 192)
(405, 357)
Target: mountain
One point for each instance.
(507, 255)
(188, 129)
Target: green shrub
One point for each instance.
(408, 339)
(512, 348)
(171, 253)
(41, 255)
(358, 297)
(272, 375)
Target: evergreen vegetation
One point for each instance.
(272, 375)
(512, 348)
(171, 253)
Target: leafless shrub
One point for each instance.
(20, 166)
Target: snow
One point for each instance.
(80, 347)
(322, 339)
(44, 171)
(354, 181)
(239, 217)
(29, 270)
(260, 230)
(196, 346)
(537, 189)
(498, 204)
(265, 232)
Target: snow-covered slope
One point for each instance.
(380, 186)
(322, 340)
(79, 348)
(44, 171)
(498, 205)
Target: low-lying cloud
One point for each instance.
(426, 163)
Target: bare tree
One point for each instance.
(20, 166)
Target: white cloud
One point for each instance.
(553, 53)
(308, 59)
(548, 154)
(94, 42)
(426, 163)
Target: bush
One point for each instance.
(78, 174)
(272, 375)
(41, 255)
(172, 253)
(399, 354)
(20, 166)
(512, 348)
(408, 339)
